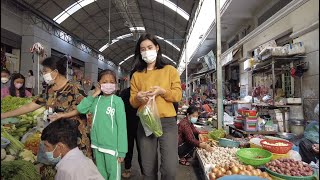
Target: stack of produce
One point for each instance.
(15, 145)
(219, 156)
(236, 169)
(18, 126)
(290, 167)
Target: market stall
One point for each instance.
(20, 140)
(267, 157)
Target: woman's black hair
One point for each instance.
(105, 72)
(55, 63)
(64, 131)
(12, 88)
(140, 63)
(4, 70)
(192, 109)
(31, 72)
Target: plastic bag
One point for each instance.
(294, 155)
(312, 132)
(150, 118)
(31, 140)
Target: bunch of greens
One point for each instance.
(10, 103)
(19, 170)
(217, 134)
(150, 121)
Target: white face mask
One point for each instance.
(48, 79)
(149, 56)
(4, 80)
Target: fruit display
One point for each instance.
(290, 167)
(219, 156)
(236, 169)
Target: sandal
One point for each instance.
(184, 162)
(126, 173)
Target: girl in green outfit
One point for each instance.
(108, 131)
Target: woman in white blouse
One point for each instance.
(30, 82)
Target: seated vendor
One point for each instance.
(188, 136)
(309, 145)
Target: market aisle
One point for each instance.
(193, 172)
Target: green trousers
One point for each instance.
(108, 165)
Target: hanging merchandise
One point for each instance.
(297, 71)
(39, 50)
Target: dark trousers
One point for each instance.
(168, 143)
(306, 152)
(132, 128)
(186, 150)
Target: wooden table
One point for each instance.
(246, 133)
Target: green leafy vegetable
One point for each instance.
(217, 134)
(19, 170)
(15, 145)
(149, 120)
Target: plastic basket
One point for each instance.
(252, 145)
(254, 156)
(279, 156)
(313, 177)
(276, 149)
(250, 125)
(251, 113)
(223, 142)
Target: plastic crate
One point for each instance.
(250, 125)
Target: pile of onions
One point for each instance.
(236, 169)
(290, 167)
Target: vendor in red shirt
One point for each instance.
(188, 136)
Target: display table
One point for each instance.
(205, 170)
(246, 133)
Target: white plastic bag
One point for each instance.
(150, 118)
(294, 155)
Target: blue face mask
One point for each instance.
(51, 158)
(193, 120)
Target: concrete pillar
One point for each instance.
(91, 71)
(31, 34)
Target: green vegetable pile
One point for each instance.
(19, 170)
(18, 126)
(15, 145)
(150, 121)
(217, 134)
(10, 103)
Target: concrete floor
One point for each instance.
(192, 172)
